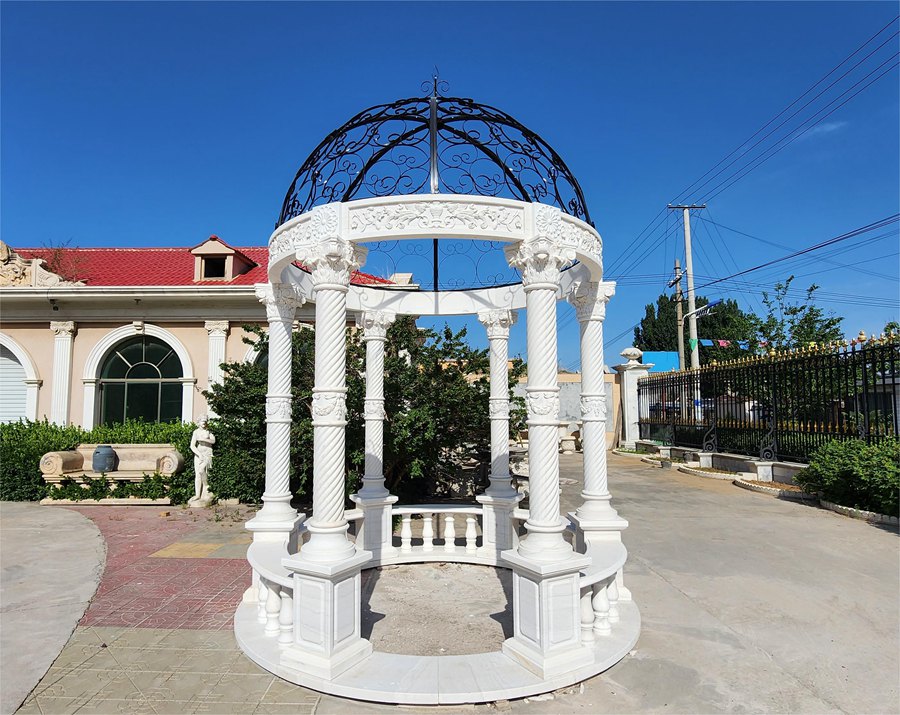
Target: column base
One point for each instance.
(547, 615)
(545, 544)
(377, 527)
(327, 602)
(328, 545)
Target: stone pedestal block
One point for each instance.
(377, 526)
(497, 523)
(326, 604)
(547, 615)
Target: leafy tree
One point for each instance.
(436, 399)
(658, 329)
(791, 324)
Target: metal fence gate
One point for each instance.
(781, 406)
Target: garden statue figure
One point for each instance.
(202, 441)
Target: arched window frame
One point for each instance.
(91, 375)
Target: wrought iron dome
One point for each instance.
(433, 144)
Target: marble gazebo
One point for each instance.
(435, 171)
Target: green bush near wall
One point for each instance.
(855, 474)
(23, 443)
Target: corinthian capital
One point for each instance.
(331, 261)
(63, 327)
(281, 299)
(497, 322)
(216, 328)
(540, 260)
(375, 323)
(589, 299)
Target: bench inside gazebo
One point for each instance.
(428, 177)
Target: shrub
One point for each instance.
(23, 443)
(855, 474)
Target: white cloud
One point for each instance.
(823, 129)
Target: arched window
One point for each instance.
(141, 379)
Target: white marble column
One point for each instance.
(217, 332)
(498, 323)
(629, 374)
(546, 570)
(589, 300)
(278, 519)
(327, 584)
(500, 498)
(373, 498)
(540, 262)
(330, 264)
(61, 396)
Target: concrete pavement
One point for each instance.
(749, 604)
(50, 564)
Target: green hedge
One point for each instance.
(23, 443)
(855, 474)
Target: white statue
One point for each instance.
(202, 441)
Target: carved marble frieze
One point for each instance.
(436, 215)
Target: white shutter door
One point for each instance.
(12, 387)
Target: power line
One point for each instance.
(773, 119)
(775, 244)
(831, 241)
(762, 159)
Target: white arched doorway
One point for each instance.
(19, 382)
(101, 351)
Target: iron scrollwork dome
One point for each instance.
(433, 144)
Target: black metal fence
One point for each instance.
(781, 406)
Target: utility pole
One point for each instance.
(689, 269)
(679, 296)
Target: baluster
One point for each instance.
(471, 535)
(261, 598)
(600, 604)
(613, 594)
(587, 616)
(449, 533)
(406, 534)
(286, 617)
(273, 609)
(427, 532)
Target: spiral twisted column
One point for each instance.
(375, 326)
(589, 300)
(497, 323)
(540, 261)
(330, 264)
(281, 302)
(373, 498)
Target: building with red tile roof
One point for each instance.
(173, 315)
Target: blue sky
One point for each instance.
(159, 124)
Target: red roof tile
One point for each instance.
(153, 266)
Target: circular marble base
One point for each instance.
(436, 680)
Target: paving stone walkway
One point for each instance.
(749, 604)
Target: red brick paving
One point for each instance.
(139, 591)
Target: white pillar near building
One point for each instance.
(278, 520)
(217, 332)
(630, 373)
(500, 498)
(64, 331)
(589, 300)
(373, 497)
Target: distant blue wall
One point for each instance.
(662, 361)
